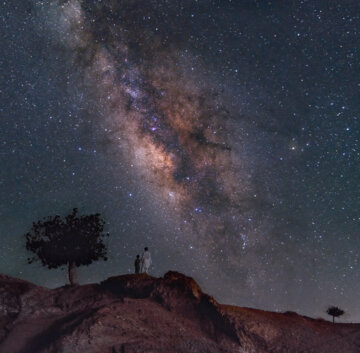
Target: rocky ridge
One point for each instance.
(140, 313)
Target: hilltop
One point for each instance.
(140, 313)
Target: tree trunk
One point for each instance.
(71, 273)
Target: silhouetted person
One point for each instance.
(137, 264)
(145, 261)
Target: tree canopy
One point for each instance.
(334, 311)
(73, 240)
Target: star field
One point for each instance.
(222, 134)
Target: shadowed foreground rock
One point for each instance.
(142, 314)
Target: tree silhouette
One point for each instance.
(334, 311)
(72, 241)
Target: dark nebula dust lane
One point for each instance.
(222, 134)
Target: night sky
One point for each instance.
(224, 135)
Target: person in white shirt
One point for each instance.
(145, 261)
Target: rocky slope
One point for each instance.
(139, 313)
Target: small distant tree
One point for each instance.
(334, 311)
(72, 241)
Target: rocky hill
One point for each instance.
(143, 314)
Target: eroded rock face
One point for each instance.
(140, 313)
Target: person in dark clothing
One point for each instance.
(137, 264)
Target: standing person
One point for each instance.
(145, 261)
(137, 264)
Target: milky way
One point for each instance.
(221, 134)
(176, 132)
